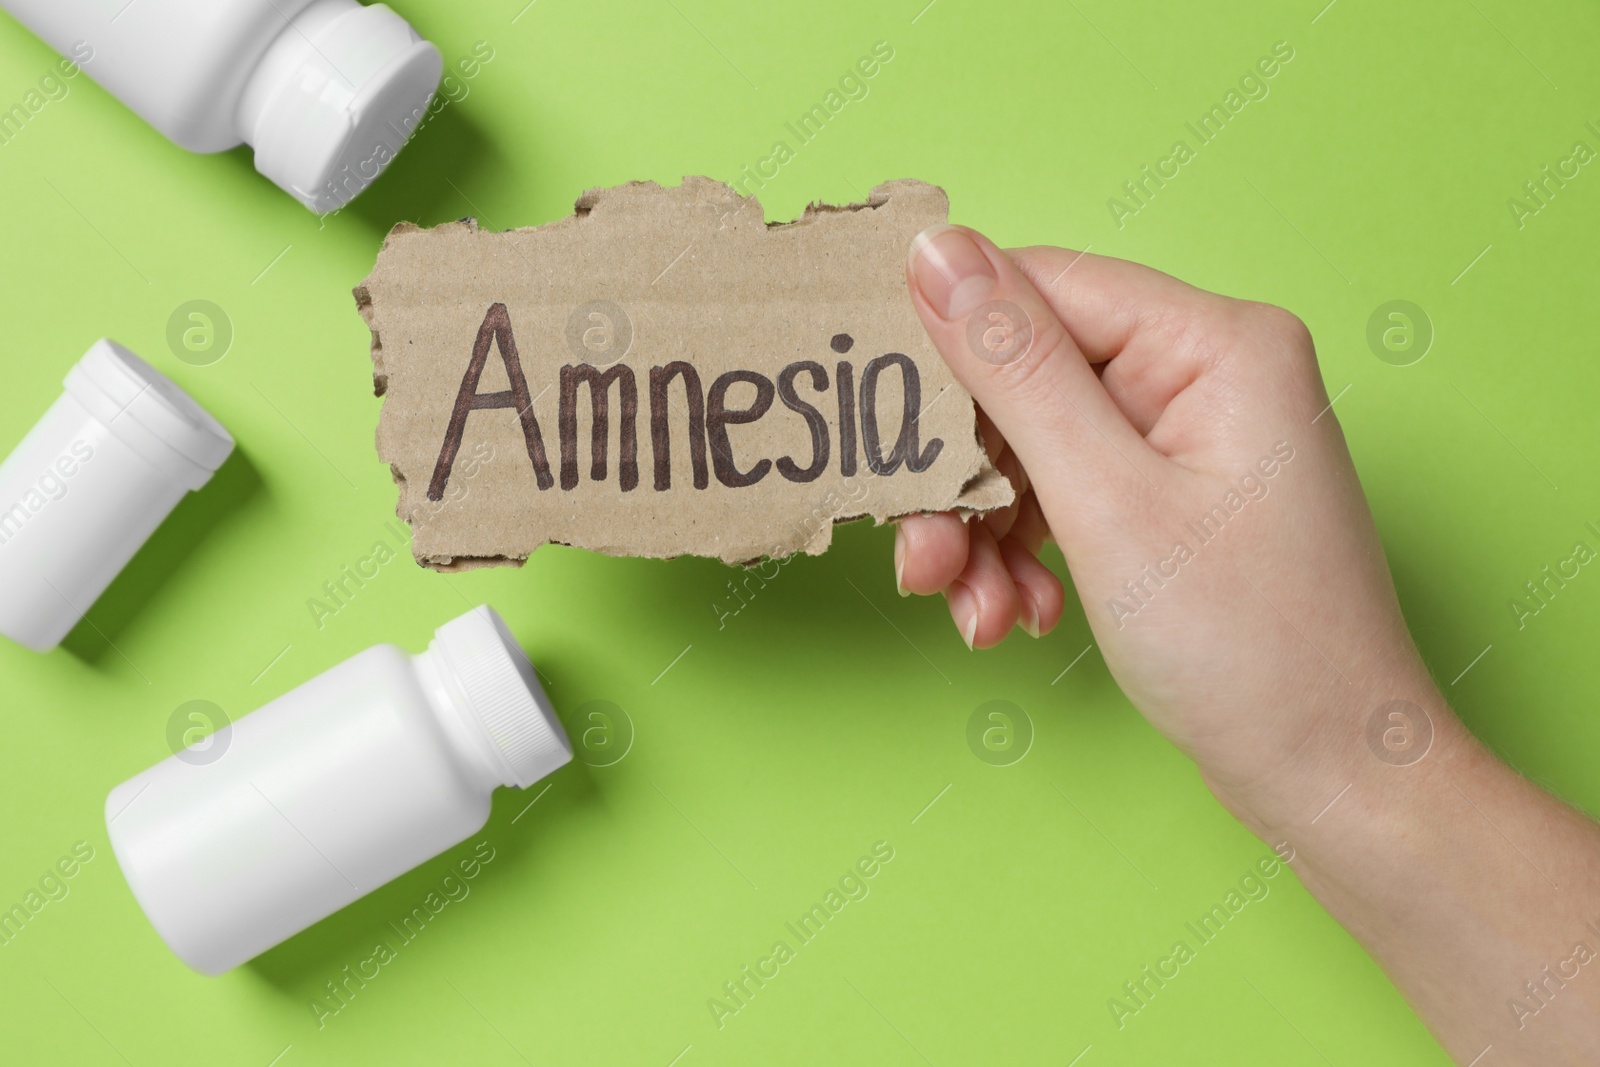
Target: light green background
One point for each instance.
(828, 713)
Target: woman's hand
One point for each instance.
(1180, 447)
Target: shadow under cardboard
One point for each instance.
(835, 612)
(196, 515)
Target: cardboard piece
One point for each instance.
(663, 374)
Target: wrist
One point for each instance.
(1379, 741)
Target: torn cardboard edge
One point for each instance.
(665, 373)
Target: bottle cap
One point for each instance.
(345, 94)
(502, 694)
(149, 413)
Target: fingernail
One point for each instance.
(951, 271)
(1029, 617)
(964, 610)
(900, 561)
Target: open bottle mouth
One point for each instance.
(335, 98)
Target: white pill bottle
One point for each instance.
(90, 482)
(325, 91)
(307, 803)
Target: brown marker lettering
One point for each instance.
(497, 328)
(905, 447)
(660, 438)
(814, 419)
(719, 417)
(599, 383)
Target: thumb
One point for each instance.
(1011, 351)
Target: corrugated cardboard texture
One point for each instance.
(664, 374)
